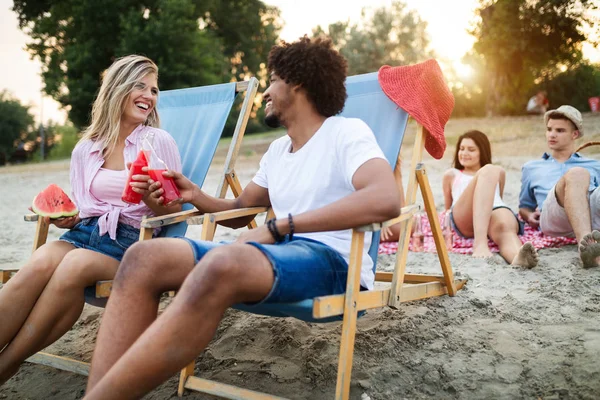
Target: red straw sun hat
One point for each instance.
(421, 91)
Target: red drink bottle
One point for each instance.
(129, 196)
(171, 193)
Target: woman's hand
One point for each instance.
(386, 233)
(140, 182)
(66, 222)
(186, 188)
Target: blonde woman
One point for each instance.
(45, 298)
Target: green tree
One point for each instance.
(521, 41)
(574, 86)
(391, 35)
(193, 41)
(15, 122)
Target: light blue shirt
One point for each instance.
(539, 176)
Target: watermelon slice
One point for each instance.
(53, 202)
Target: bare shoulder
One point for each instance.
(450, 174)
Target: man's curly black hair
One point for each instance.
(317, 67)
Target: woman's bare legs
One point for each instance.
(503, 231)
(473, 210)
(58, 307)
(19, 294)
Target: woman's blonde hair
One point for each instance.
(118, 82)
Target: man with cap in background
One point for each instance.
(559, 193)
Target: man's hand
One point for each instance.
(186, 188)
(259, 235)
(533, 219)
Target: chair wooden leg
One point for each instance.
(236, 188)
(183, 375)
(436, 229)
(342, 390)
(145, 233)
(209, 226)
(41, 232)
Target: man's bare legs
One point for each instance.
(473, 210)
(572, 194)
(503, 231)
(58, 307)
(134, 353)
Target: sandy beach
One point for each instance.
(511, 333)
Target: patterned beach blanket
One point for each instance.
(465, 246)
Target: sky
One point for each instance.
(448, 22)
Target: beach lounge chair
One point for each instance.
(366, 101)
(195, 117)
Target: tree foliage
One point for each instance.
(521, 41)
(194, 42)
(391, 35)
(574, 86)
(15, 122)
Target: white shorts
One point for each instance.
(554, 220)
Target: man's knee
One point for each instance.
(142, 262)
(577, 175)
(217, 274)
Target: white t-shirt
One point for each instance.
(319, 174)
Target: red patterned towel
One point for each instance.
(421, 91)
(465, 246)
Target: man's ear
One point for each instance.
(575, 134)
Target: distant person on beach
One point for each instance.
(46, 296)
(473, 191)
(559, 193)
(326, 176)
(538, 104)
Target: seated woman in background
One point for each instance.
(473, 193)
(45, 298)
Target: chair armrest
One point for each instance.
(230, 214)
(405, 213)
(170, 219)
(31, 217)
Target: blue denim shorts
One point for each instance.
(86, 235)
(520, 223)
(303, 268)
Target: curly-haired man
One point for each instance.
(324, 177)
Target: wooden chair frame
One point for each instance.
(398, 286)
(229, 180)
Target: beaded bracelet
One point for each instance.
(272, 226)
(292, 227)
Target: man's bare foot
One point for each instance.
(527, 257)
(589, 249)
(481, 251)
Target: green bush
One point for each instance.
(573, 87)
(69, 136)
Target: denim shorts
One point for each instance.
(303, 268)
(520, 223)
(86, 235)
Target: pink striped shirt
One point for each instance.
(86, 161)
